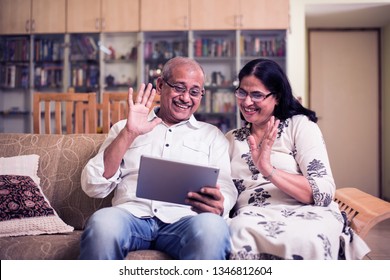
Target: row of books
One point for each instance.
(84, 47)
(164, 49)
(48, 77)
(214, 47)
(257, 46)
(85, 76)
(12, 76)
(15, 49)
(48, 50)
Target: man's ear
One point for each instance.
(159, 84)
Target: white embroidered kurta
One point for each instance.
(269, 224)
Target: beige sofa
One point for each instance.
(62, 158)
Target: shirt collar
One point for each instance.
(192, 121)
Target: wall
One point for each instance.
(297, 70)
(386, 112)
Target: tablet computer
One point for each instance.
(170, 181)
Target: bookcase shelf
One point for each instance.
(48, 60)
(84, 62)
(158, 48)
(119, 63)
(100, 62)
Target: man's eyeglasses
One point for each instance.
(256, 96)
(178, 88)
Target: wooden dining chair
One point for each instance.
(114, 108)
(73, 106)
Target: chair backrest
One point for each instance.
(114, 108)
(77, 118)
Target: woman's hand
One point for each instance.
(295, 185)
(261, 152)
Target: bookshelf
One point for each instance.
(216, 51)
(15, 61)
(119, 53)
(65, 43)
(267, 43)
(84, 62)
(158, 47)
(48, 58)
(222, 53)
(98, 62)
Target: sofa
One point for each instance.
(61, 160)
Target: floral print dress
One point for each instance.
(269, 224)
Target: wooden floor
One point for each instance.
(378, 239)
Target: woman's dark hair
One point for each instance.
(273, 77)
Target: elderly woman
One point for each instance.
(280, 166)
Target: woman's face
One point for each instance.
(256, 112)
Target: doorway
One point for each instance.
(344, 90)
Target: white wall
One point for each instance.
(297, 65)
(297, 70)
(386, 112)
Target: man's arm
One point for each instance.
(97, 178)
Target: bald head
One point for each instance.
(179, 61)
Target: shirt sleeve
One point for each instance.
(93, 183)
(312, 158)
(220, 157)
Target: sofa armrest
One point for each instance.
(363, 210)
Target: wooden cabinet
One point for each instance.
(15, 16)
(167, 15)
(120, 15)
(239, 14)
(264, 14)
(102, 16)
(48, 16)
(83, 16)
(32, 16)
(214, 14)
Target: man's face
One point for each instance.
(178, 101)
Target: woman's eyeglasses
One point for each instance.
(256, 96)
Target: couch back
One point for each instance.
(62, 158)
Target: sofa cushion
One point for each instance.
(26, 165)
(64, 246)
(24, 209)
(147, 255)
(62, 158)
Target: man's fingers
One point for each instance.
(140, 94)
(130, 97)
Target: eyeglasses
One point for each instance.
(194, 91)
(256, 96)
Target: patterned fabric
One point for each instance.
(25, 165)
(269, 224)
(62, 158)
(24, 210)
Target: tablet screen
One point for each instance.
(170, 181)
